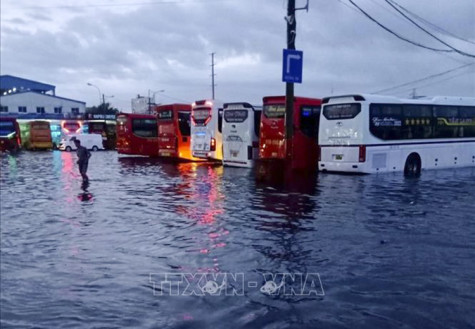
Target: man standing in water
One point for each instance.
(83, 158)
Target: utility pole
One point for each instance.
(212, 75)
(289, 86)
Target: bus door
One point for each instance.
(206, 136)
(167, 139)
(305, 138)
(184, 135)
(272, 144)
(240, 138)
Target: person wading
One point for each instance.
(83, 158)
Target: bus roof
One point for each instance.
(173, 107)
(132, 115)
(270, 99)
(242, 104)
(372, 98)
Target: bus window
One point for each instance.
(236, 116)
(257, 122)
(274, 111)
(341, 111)
(6, 128)
(386, 121)
(184, 123)
(309, 118)
(220, 120)
(446, 121)
(467, 120)
(201, 116)
(417, 122)
(145, 127)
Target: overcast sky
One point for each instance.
(130, 47)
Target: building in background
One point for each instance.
(28, 99)
(141, 105)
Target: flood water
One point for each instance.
(376, 251)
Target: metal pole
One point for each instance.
(289, 87)
(212, 74)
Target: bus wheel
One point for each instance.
(68, 148)
(95, 148)
(412, 168)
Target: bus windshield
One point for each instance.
(6, 128)
(341, 111)
(145, 127)
(274, 111)
(40, 125)
(201, 116)
(237, 116)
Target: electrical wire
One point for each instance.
(423, 79)
(438, 28)
(396, 34)
(390, 2)
(126, 4)
(432, 83)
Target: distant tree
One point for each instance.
(102, 109)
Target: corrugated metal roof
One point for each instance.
(8, 82)
(45, 95)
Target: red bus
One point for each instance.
(304, 147)
(174, 126)
(137, 134)
(10, 138)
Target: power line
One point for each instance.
(438, 28)
(396, 34)
(126, 4)
(423, 79)
(430, 84)
(393, 5)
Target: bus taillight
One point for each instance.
(362, 153)
(213, 144)
(319, 153)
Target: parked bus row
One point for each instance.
(50, 134)
(349, 133)
(236, 134)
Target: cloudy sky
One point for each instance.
(130, 47)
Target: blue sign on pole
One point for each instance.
(292, 65)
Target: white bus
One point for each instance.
(241, 134)
(206, 124)
(371, 133)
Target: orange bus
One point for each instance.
(304, 144)
(137, 134)
(10, 138)
(40, 135)
(174, 125)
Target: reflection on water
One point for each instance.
(391, 252)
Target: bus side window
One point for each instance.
(386, 121)
(416, 122)
(220, 120)
(467, 115)
(446, 124)
(257, 122)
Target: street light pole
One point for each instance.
(150, 99)
(98, 90)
